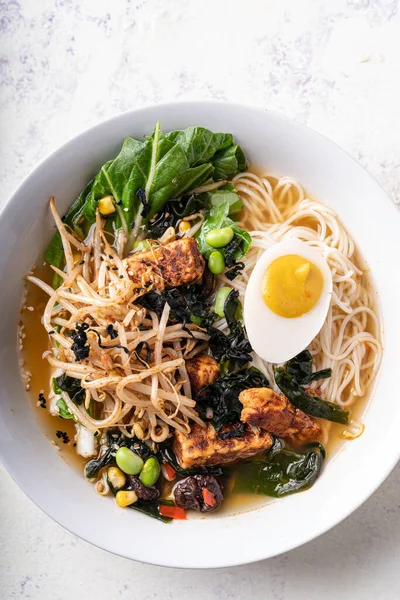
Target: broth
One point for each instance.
(35, 343)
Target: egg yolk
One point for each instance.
(291, 286)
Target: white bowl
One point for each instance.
(348, 480)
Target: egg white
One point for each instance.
(278, 339)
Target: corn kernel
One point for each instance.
(125, 498)
(116, 478)
(106, 205)
(184, 226)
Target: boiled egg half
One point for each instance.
(287, 299)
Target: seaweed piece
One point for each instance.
(65, 383)
(80, 346)
(281, 471)
(231, 351)
(187, 303)
(300, 369)
(222, 397)
(312, 405)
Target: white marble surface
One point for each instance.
(65, 65)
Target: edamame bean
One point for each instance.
(196, 320)
(150, 472)
(216, 262)
(218, 238)
(128, 461)
(220, 299)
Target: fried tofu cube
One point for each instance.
(169, 265)
(262, 407)
(203, 447)
(202, 370)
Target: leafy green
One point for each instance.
(222, 397)
(312, 405)
(226, 193)
(63, 409)
(54, 254)
(147, 174)
(202, 146)
(228, 162)
(280, 471)
(222, 203)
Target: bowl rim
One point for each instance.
(216, 104)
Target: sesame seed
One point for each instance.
(30, 308)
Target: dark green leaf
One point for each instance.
(228, 194)
(54, 254)
(200, 145)
(164, 166)
(280, 471)
(300, 369)
(217, 217)
(311, 405)
(228, 162)
(63, 409)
